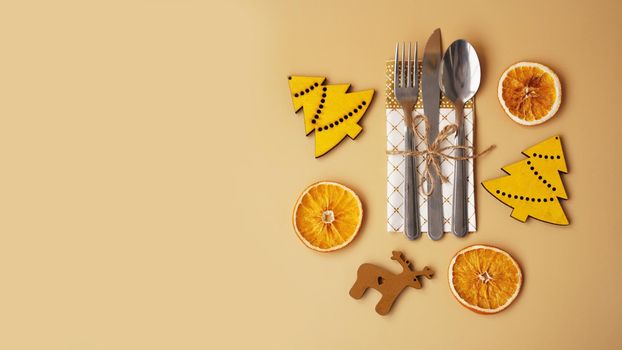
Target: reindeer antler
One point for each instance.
(399, 257)
(427, 272)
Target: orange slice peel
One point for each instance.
(530, 93)
(327, 216)
(484, 279)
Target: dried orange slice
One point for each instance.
(327, 216)
(530, 93)
(484, 279)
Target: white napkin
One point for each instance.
(396, 129)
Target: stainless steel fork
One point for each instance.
(406, 88)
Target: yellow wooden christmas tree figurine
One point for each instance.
(329, 110)
(534, 186)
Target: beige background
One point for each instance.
(150, 159)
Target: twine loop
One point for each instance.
(435, 152)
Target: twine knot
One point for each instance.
(435, 152)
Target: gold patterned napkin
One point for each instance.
(395, 163)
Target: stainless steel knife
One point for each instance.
(431, 93)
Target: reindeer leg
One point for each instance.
(384, 305)
(358, 289)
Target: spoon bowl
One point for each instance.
(460, 73)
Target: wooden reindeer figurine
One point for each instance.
(386, 282)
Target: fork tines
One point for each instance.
(406, 78)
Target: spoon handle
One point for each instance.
(459, 217)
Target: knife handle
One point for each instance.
(412, 230)
(460, 226)
(435, 209)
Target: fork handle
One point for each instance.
(460, 224)
(412, 228)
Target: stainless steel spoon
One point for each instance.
(459, 80)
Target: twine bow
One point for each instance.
(433, 154)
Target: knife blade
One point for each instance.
(431, 93)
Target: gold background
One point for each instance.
(150, 159)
